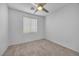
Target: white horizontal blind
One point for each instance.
(29, 25)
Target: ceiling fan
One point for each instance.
(39, 7)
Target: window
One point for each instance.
(29, 25)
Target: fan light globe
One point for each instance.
(40, 8)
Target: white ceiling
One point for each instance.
(26, 7)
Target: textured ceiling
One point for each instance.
(26, 7)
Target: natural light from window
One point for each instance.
(29, 24)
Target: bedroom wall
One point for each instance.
(16, 34)
(62, 27)
(3, 28)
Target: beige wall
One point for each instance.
(3, 28)
(16, 34)
(63, 27)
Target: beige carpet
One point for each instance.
(39, 48)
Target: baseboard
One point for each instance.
(24, 41)
(64, 46)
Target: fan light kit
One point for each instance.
(39, 7)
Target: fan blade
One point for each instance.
(35, 11)
(32, 8)
(45, 10)
(41, 4)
